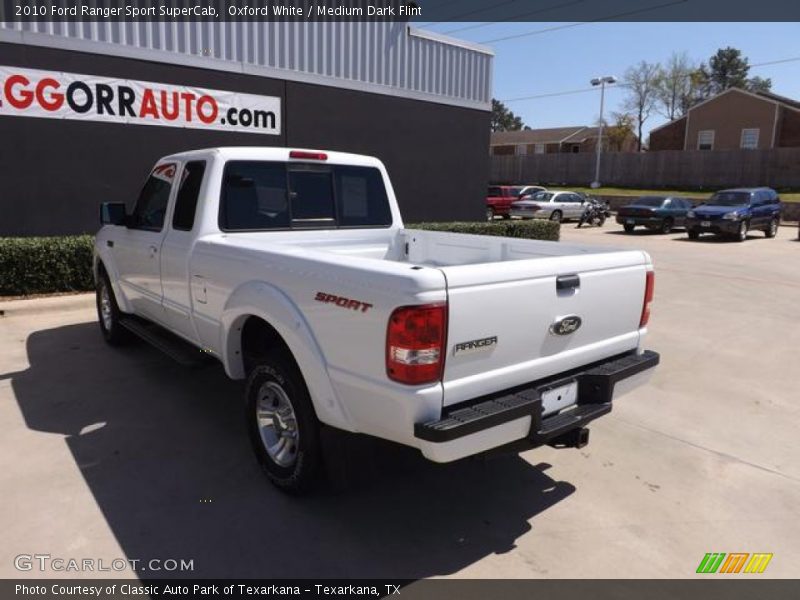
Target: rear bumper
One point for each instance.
(512, 415)
(646, 221)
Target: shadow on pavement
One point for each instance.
(165, 454)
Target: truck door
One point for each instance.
(136, 247)
(176, 278)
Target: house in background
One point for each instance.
(575, 139)
(732, 120)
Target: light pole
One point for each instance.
(601, 81)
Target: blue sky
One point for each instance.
(566, 59)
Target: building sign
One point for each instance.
(54, 95)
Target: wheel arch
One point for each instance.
(257, 313)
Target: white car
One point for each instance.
(556, 206)
(292, 268)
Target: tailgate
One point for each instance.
(502, 318)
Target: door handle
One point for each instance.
(153, 250)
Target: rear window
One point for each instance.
(259, 195)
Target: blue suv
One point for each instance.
(735, 212)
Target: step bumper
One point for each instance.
(517, 413)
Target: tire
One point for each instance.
(666, 226)
(601, 221)
(741, 235)
(693, 235)
(629, 228)
(489, 214)
(108, 313)
(772, 230)
(506, 216)
(556, 216)
(282, 424)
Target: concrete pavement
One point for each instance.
(119, 453)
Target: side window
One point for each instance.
(494, 191)
(152, 203)
(188, 193)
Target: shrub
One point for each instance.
(533, 229)
(39, 265)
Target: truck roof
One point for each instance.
(279, 154)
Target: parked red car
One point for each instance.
(499, 199)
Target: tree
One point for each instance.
(759, 84)
(642, 82)
(727, 69)
(503, 119)
(620, 132)
(675, 86)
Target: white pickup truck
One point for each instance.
(294, 270)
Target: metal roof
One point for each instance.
(380, 57)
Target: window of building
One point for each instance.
(538, 149)
(575, 148)
(522, 149)
(705, 139)
(750, 139)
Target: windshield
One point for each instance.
(729, 199)
(653, 201)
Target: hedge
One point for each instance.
(40, 265)
(533, 229)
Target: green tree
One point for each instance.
(727, 69)
(503, 119)
(620, 132)
(759, 84)
(642, 82)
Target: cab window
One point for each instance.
(151, 207)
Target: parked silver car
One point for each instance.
(555, 206)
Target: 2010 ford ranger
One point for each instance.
(293, 269)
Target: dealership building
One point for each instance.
(87, 108)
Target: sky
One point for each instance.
(566, 59)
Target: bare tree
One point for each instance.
(642, 83)
(675, 85)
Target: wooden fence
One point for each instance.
(778, 168)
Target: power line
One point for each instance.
(624, 85)
(515, 17)
(608, 18)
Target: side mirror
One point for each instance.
(113, 213)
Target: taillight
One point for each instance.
(648, 298)
(415, 343)
(305, 155)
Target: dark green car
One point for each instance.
(657, 213)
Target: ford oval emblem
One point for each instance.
(566, 325)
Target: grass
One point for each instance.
(612, 191)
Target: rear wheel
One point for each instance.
(556, 216)
(772, 230)
(489, 214)
(693, 235)
(741, 234)
(666, 225)
(108, 313)
(506, 216)
(629, 228)
(283, 427)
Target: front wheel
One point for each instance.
(693, 235)
(772, 230)
(283, 427)
(629, 228)
(108, 313)
(666, 226)
(489, 214)
(741, 234)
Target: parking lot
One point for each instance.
(120, 453)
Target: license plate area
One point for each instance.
(705, 223)
(630, 221)
(559, 397)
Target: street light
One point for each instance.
(601, 81)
